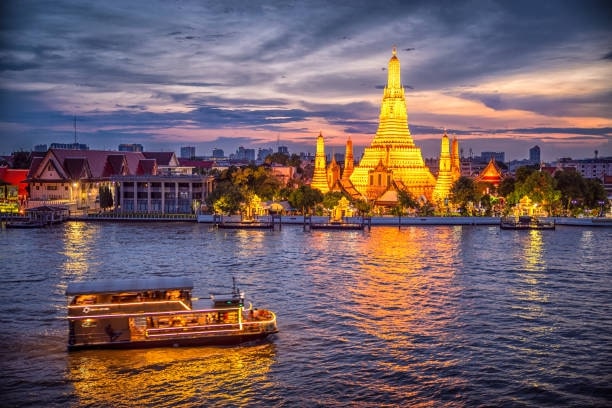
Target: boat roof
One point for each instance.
(127, 285)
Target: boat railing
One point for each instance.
(89, 310)
(92, 313)
(260, 316)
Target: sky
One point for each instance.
(501, 76)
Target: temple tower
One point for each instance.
(349, 160)
(455, 160)
(333, 172)
(393, 147)
(319, 177)
(445, 175)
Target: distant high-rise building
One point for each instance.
(69, 146)
(188, 152)
(40, 148)
(263, 153)
(245, 154)
(218, 153)
(283, 149)
(534, 154)
(132, 147)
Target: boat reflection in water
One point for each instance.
(168, 376)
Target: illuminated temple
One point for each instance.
(449, 169)
(319, 178)
(392, 162)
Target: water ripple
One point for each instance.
(422, 316)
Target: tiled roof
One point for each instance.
(199, 164)
(490, 174)
(34, 166)
(147, 167)
(162, 158)
(98, 159)
(76, 168)
(115, 165)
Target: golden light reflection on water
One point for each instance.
(171, 377)
(408, 299)
(530, 297)
(79, 238)
(412, 287)
(249, 241)
(533, 247)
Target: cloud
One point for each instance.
(206, 71)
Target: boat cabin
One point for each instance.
(157, 312)
(155, 294)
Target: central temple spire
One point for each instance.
(393, 146)
(393, 124)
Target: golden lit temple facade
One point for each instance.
(392, 155)
(449, 170)
(319, 177)
(392, 162)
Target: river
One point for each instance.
(426, 316)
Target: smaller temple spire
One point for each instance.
(349, 160)
(319, 178)
(445, 178)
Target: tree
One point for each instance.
(406, 200)
(256, 180)
(305, 197)
(464, 194)
(226, 197)
(594, 193)
(579, 190)
(106, 197)
(22, 160)
(228, 202)
(280, 158)
(331, 199)
(362, 206)
(486, 203)
(539, 186)
(523, 172)
(295, 161)
(571, 185)
(506, 187)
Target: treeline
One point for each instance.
(565, 193)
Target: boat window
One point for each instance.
(89, 323)
(85, 300)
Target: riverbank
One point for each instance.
(397, 221)
(299, 220)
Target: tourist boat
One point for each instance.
(25, 224)
(525, 222)
(139, 313)
(335, 225)
(246, 225)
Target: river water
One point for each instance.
(419, 316)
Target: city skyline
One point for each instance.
(500, 76)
